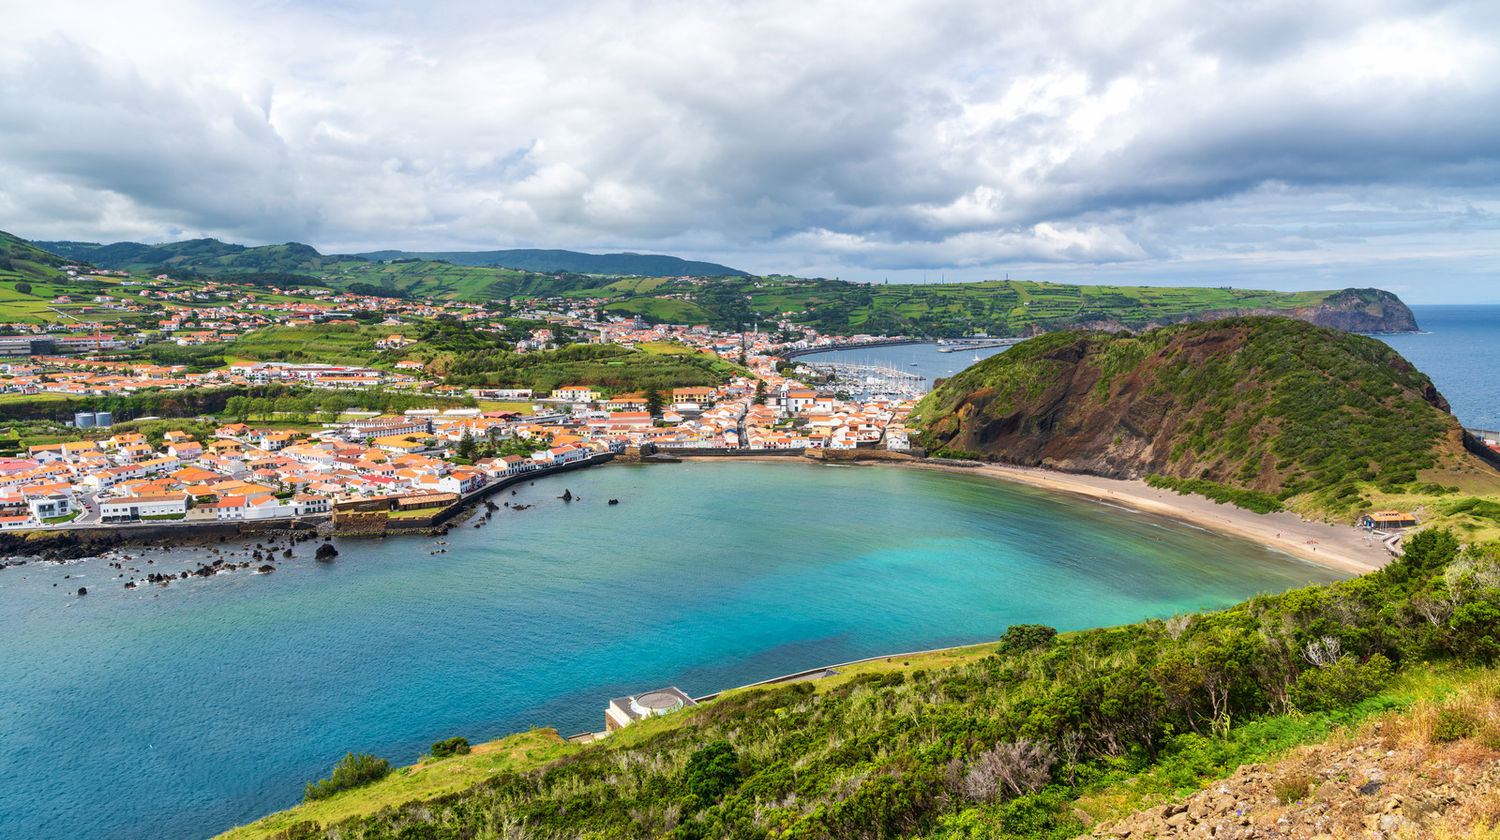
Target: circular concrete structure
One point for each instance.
(655, 703)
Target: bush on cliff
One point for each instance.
(451, 747)
(351, 772)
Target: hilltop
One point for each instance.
(1259, 411)
(574, 262)
(210, 256)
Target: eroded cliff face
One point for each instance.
(1253, 402)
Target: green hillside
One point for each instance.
(1270, 410)
(32, 288)
(1033, 737)
(998, 308)
(1017, 308)
(571, 262)
(23, 262)
(468, 275)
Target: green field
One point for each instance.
(331, 343)
(662, 310)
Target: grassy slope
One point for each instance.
(529, 751)
(870, 752)
(1332, 423)
(1406, 701)
(1000, 307)
(332, 343)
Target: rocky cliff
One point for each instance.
(1268, 404)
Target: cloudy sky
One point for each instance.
(1252, 143)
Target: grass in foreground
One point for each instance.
(420, 781)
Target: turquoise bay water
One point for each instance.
(179, 712)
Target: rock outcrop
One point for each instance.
(1380, 786)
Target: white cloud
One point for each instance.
(853, 136)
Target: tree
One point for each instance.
(451, 747)
(1023, 637)
(238, 408)
(760, 392)
(653, 402)
(351, 772)
(712, 771)
(23, 288)
(465, 447)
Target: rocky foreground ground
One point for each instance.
(1432, 772)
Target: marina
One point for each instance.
(872, 381)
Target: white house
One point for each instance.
(50, 505)
(575, 393)
(305, 504)
(134, 507)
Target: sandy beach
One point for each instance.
(1341, 547)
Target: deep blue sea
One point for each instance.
(179, 712)
(1460, 350)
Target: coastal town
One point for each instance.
(286, 461)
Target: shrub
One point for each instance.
(1251, 500)
(301, 830)
(1289, 789)
(712, 771)
(1476, 631)
(450, 747)
(351, 772)
(1024, 637)
(1341, 683)
(1452, 725)
(1022, 767)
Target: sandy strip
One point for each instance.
(1341, 547)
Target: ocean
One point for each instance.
(179, 712)
(1459, 349)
